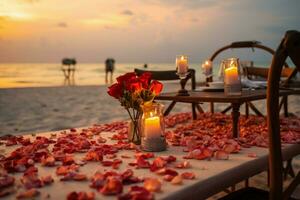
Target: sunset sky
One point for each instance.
(137, 30)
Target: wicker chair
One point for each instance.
(289, 46)
(169, 76)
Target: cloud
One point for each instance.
(190, 4)
(28, 1)
(282, 26)
(127, 12)
(62, 25)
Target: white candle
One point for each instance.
(207, 67)
(152, 127)
(231, 75)
(182, 65)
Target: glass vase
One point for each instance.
(134, 131)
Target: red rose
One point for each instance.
(145, 79)
(126, 77)
(136, 87)
(133, 85)
(156, 87)
(115, 90)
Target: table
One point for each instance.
(211, 176)
(236, 101)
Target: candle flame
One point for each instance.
(151, 114)
(182, 58)
(232, 63)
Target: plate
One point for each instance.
(217, 84)
(210, 89)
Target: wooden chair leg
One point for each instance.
(212, 107)
(284, 103)
(233, 188)
(289, 190)
(288, 170)
(285, 106)
(194, 111)
(246, 109)
(247, 182)
(268, 178)
(281, 104)
(171, 106)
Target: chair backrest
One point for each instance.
(263, 72)
(289, 46)
(169, 75)
(246, 44)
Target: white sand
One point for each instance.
(31, 110)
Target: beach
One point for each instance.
(43, 109)
(40, 109)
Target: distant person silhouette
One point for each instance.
(145, 66)
(109, 68)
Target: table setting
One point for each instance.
(151, 156)
(230, 76)
(99, 161)
(148, 157)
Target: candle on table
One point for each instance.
(182, 64)
(207, 67)
(231, 75)
(152, 127)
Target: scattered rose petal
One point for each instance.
(177, 180)
(183, 165)
(137, 193)
(221, 155)
(81, 196)
(188, 175)
(28, 194)
(252, 155)
(112, 186)
(152, 184)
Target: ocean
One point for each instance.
(50, 74)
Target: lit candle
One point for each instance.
(231, 75)
(182, 65)
(152, 127)
(207, 67)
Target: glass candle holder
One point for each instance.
(182, 66)
(152, 128)
(207, 68)
(232, 76)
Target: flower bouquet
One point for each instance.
(133, 91)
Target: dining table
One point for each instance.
(217, 96)
(211, 175)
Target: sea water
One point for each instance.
(50, 74)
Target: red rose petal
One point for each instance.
(188, 175)
(138, 193)
(183, 165)
(28, 194)
(81, 196)
(112, 186)
(152, 184)
(221, 155)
